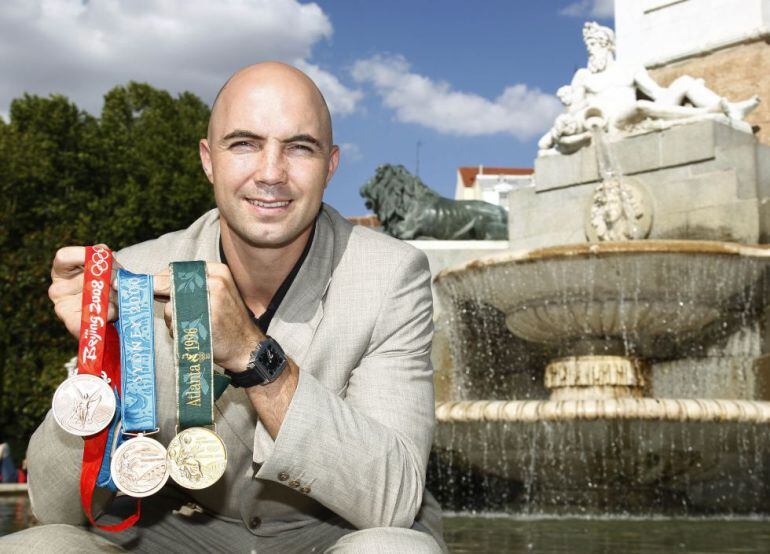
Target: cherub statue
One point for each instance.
(568, 133)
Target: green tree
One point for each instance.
(66, 178)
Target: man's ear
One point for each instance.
(205, 154)
(334, 162)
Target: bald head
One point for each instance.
(269, 156)
(271, 81)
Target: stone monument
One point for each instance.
(618, 358)
(630, 159)
(622, 98)
(724, 42)
(408, 210)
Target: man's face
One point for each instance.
(598, 53)
(269, 159)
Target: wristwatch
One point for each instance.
(266, 363)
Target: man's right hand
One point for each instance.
(66, 290)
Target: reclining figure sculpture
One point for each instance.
(623, 97)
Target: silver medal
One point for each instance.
(83, 405)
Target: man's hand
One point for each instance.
(234, 336)
(233, 333)
(66, 290)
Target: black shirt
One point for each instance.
(263, 321)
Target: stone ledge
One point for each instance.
(656, 409)
(13, 489)
(678, 145)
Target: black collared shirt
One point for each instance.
(263, 321)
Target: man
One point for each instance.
(330, 455)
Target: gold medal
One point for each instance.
(140, 467)
(197, 458)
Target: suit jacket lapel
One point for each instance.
(298, 316)
(293, 326)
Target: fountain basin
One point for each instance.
(628, 298)
(596, 321)
(601, 466)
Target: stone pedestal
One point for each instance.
(706, 180)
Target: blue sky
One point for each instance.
(478, 48)
(474, 82)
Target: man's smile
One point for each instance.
(268, 206)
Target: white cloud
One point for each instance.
(519, 110)
(341, 100)
(604, 9)
(82, 49)
(350, 151)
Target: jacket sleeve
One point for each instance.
(363, 453)
(54, 459)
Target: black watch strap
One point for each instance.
(266, 363)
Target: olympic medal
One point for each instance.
(83, 405)
(140, 467)
(197, 457)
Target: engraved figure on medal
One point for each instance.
(140, 467)
(83, 405)
(197, 457)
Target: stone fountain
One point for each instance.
(616, 358)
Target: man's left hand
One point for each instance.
(234, 334)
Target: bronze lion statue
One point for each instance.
(408, 210)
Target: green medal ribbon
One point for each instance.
(192, 344)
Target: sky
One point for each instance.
(464, 83)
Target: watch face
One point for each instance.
(270, 359)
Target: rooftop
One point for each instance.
(468, 174)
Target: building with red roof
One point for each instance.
(491, 184)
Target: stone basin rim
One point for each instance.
(602, 249)
(693, 410)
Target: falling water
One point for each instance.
(606, 162)
(706, 312)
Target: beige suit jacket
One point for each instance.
(355, 441)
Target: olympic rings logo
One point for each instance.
(100, 262)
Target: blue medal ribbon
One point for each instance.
(137, 352)
(137, 407)
(136, 410)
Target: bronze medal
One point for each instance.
(140, 467)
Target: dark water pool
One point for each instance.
(600, 536)
(497, 534)
(14, 514)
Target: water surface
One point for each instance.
(511, 534)
(515, 534)
(15, 514)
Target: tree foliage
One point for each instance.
(68, 178)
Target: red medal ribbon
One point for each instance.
(98, 354)
(93, 318)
